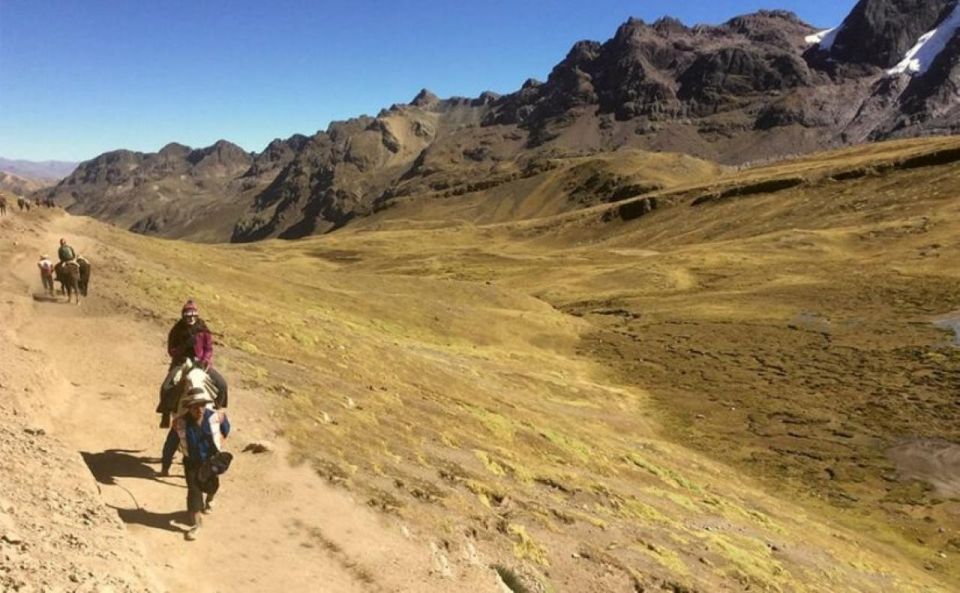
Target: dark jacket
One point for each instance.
(66, 253)
(185, 340)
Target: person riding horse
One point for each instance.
(189, 338)
(66, 253)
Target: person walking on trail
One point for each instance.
(190, 338)
(46, 274)
(66, 253)
(200, 434)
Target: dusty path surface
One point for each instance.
(276, 527)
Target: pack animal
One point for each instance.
(68, 275)
(83, 281)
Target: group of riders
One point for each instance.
(72, 271)
(24, 203)
(193, 396)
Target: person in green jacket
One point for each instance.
(66, 253)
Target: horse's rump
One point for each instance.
(83, 282)
(185, 381)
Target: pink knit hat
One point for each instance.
(189, 308)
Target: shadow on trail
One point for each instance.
(176, 521)
(111, 464)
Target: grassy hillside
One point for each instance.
(707, 397)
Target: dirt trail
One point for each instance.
(276, 527)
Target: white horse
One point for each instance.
(191, 379)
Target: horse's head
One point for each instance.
(182, 370)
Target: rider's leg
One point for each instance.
(169, 450)
(165, 406)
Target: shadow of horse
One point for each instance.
(111, 464)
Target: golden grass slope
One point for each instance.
(701, 398)
(555, 186)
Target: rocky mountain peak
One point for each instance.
(669, 25)
(175, 150)
(425, 99)
(222, 154)
(879, 32)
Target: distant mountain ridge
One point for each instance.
(19, 186)
(38, 170)
(758, 87)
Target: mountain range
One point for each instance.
(19, 177)
(759, 87)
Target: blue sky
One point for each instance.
(80, 78)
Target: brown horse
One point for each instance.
(84, 280)
(68, 275)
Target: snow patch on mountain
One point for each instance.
(824, 39)
(920, 57)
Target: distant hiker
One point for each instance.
(65, 252)
(189, 338)
(200, 433)
(46, 274)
